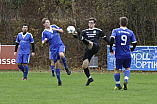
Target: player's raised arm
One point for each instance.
(59, 30)
(56, 28)
(104, 37)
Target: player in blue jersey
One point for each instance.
(24, 39)
(57, 48)
(52, 64)
(90, 37)
(122, 36)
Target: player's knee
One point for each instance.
(25, 65)
(116, 71)
(52, 63)
(57, 65)
(127, 68)
(61, 54)
(18, 64)
(85, 64)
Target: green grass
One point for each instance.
(41, 88)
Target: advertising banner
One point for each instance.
(7, 58)
(143, 58)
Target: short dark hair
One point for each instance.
(92, 19)
(24, 24)
(43, 20)
(123, 21)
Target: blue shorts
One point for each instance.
(50, 56)
(55, 52)
(119, 63)
(23, 58)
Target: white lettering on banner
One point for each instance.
(7, 61)
(140, 56)
(143, 60)
(146, 64)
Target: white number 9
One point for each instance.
(124, 39)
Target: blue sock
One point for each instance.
(117, 79)
(127, 75)
(52, 69)
(21, 68)
(25, 71)
(58, 74)
(64, 62)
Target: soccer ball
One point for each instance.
(70, 29)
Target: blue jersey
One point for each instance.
(123, 36)
(53, 37)
(24, 42)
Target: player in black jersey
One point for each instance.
(90, 38)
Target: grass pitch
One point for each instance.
(41, 88)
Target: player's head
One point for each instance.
(46, 22)
(123, 21)
(24, 27)
(91, 22)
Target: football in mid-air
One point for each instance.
(70, 29)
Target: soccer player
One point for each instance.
(122, 36)
(52, 64)
(24, 39)
(57, 48)
(90, 37)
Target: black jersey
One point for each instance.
(93, 34)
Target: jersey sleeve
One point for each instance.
(17, 39)
(83, 33)
(43, 36)
(113, 33)
(55, 26)
(102, 34)
(133, 39)
(31, 38)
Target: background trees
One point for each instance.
(142, 17)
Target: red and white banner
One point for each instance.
(7, 58)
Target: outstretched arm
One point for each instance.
(106, 39)
(59, 30)
(80, 36)
(77, 34)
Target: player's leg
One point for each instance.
(118, 65)
(52, 68)
(62, 56)
(87, 42)
(26, 59)
(57, 70)
(126, 64)
(25, 71)
(117, 79)
(52, 64)
(19, 61)
(86, 71)
(86, 59)
(20, 66)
